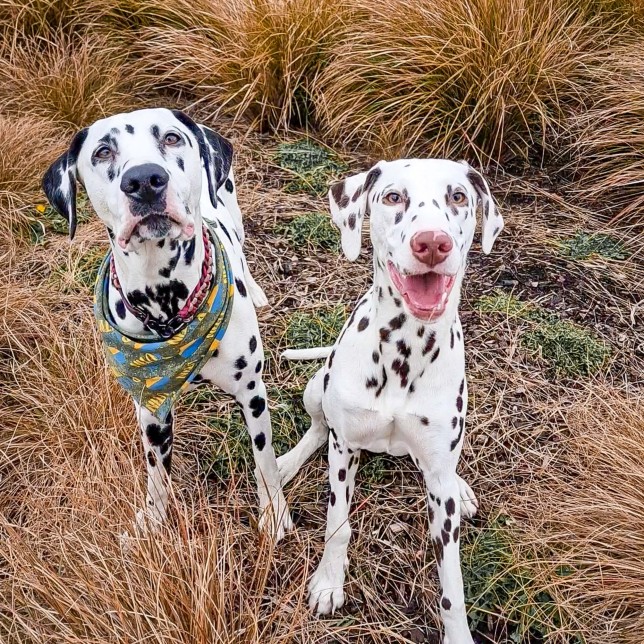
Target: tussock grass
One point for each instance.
(490, 78)
(319, 328)
(608, 138)
(313, 230)
(258, 59)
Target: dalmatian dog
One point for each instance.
(395, 379)
(153, 176)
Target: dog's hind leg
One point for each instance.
(157, 436)
(290, 463)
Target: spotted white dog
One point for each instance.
(395, 379)
(153, 176)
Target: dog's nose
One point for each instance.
(145, 183)
(431, 247)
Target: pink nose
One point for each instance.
(431, 247)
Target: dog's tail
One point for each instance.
(316, 353)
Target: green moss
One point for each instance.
(311, 230)
(312, 166)
(570, 349)
(584, 245)
(321, 328)
(500, 585)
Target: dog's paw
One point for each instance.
(257, 294)
(326, 594)
(469, 504)
(275, 519)
(287, 467)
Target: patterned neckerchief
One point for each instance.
(155, 371)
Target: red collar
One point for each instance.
(193, 303)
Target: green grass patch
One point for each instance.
(568, 348)
(501, 585)
(81, 271)
(46, 219)
(306, 330)
(311, 230)
(312, 166)
(584, 245)
(375, 469)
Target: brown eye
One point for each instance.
(171, 138)
(103, 152)
(392, 198)
(459, 198)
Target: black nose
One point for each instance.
(145, 183)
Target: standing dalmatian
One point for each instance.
(175, 299)
(395, 379)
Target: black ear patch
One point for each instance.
(204, 151)
(222, 152)
(59, 182)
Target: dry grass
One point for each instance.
(488, 78)
(557, 464)
(608, 139)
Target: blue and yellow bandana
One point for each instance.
(154, 372)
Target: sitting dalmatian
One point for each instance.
(174, 299)
(395, 379)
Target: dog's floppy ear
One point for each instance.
(59, 182)
(215, 151)
(221, 150)
(492, 223)
(348, 200)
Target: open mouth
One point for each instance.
(154, 226)
(426, 294)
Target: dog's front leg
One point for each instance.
(274, 512)
(157, 437)
(326, 592)
(444, 523)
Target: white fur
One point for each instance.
(419, 408)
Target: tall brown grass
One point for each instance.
(607, 140)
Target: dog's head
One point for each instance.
(142, 172)
(423, 216)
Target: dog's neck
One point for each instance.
(387, 307)
(159, 274)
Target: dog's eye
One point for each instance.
(459, 198)
(172, 138)
(103, 152)
(392, 198)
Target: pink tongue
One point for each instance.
(424, 291)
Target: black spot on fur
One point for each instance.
(258, 367)
(240, 287)
(384, 382)
(403, 348)
(352, 220)
(251, 385)
(454, 422)
(331, 358)
(447, 525)
(421, 331)
(229, 186)
(424, 420)
(257, 405)
(438, 550)
(398, 218)
(241, 363)
(429, 344)
(180, 163)
(371, 383)
(451, 338)
(347, 493)
(363, 324)
(230, 239)
(375, 356)
(446, 603)
(457, 531)
(129, 129)
(342, 474)
(158, 434)
(461, 388)
(435, 354)
(398, 321)
(238, 375)
(385, 334)
(421, 204)
(152, 459)
(189, 251)
(252, 344)
(120, 309)
(450, 507)
(445, 536)
(326, 380)
(332, 498)
(459, 403)
(260, 441)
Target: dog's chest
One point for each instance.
(392, 390)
